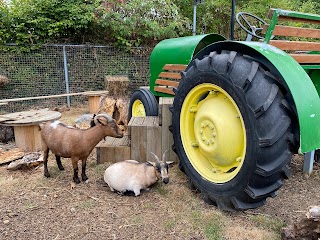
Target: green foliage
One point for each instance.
(142, 22)
(128, 23)
(40, 21)
(5, 23)
(212, 15)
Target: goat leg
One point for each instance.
(58, 160)
(45, 161)
(75, 170)
(83, 174)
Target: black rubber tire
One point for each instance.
(269, 128)
(148, 100)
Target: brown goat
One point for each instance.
(77, 144)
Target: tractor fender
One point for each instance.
(292, 76)
(177, 51)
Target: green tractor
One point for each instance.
(241, 108)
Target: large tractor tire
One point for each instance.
(142, 103)
(232, 129)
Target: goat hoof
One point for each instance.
(61, 168)
(46, 174)
(85, 178)
(76, 180)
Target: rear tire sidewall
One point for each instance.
(240, 181)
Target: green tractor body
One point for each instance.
(241, 108)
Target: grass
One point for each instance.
(267, 222)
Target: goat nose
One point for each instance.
(165, 180)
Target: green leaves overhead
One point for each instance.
(124, 22)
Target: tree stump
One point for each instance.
(117, 102)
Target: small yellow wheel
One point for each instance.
(142, 103)
(138, 109)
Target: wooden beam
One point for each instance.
(164, 90)
(307, 58)
(171, 75)
(44, 97)
(167, 83)
(293, 31)
(175, 67)
(293, 19)
(296, 45)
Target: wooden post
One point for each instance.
(94, 99)
(166, 121)
(145, 134)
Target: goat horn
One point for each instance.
(155, 156)
(108, 117)
(163, 155)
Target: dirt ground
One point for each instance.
(33, 207)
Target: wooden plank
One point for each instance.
(10, 155)
(153, 138)
(175, 67)
(170, 75)
(145, 137)
(167, 83)
(293, 19)
(138, 138)
(296, 45)
(307, 58)
(288, 31)
(164, 90)
(113, 150)
(165, 118)
(42, 97)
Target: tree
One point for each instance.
(41, 21)
(139, 22)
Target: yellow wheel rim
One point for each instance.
(138, 109)
(213, 133)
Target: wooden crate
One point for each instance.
(165, 121)
(113, 149)
(145, 135)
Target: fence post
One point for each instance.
(66, 74)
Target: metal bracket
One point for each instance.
(308, 162)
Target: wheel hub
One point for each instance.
(138, 109)
(215, 140)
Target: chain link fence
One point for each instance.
(60, 69)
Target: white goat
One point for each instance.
(77, 144)
(131, 175)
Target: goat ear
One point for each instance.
(102, 120)
(170, 163)
(155, 156)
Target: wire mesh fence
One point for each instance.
(60, 69)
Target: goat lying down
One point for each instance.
(131, 175)
(77, 144)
